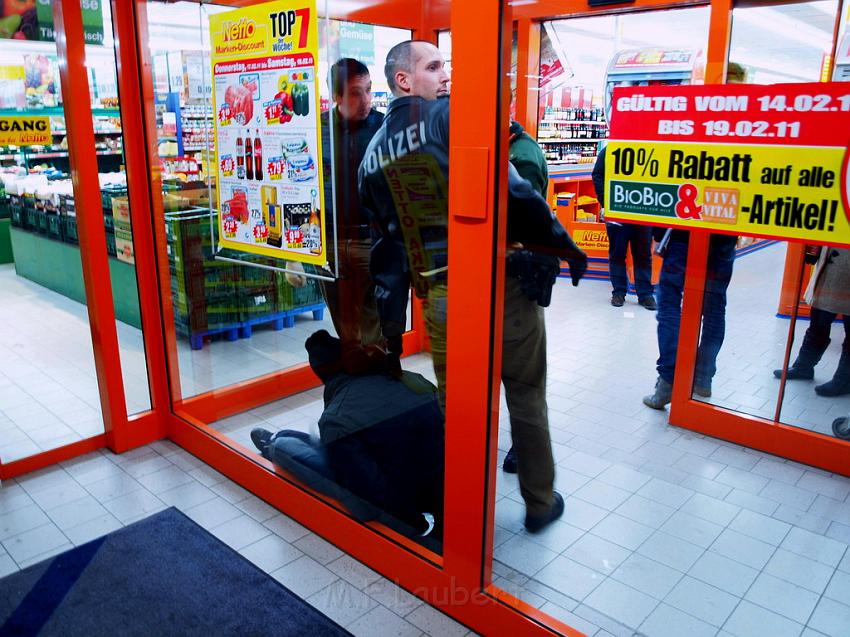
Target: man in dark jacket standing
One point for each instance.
(404, 184)
(622, 236)
(351, 122)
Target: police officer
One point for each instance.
(403, 182)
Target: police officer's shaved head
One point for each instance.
(416, 67)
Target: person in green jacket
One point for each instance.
(528, 159)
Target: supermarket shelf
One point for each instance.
(53, 155)
(589, 122)
(55, 111)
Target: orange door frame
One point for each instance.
(121, 432)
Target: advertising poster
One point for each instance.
(760, 160)
(25, 131)
(268, 149)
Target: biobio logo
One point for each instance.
(241, 30)
(643, 198)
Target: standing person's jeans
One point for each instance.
(620, 236)
(721, 258)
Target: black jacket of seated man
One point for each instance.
(384, 437)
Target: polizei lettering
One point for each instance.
(406, 141)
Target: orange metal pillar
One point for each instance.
(84, 175)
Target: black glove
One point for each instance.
(394, 351)
(578, 267)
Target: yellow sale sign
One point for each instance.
(25, 131)
(766, 161)
(268, 150)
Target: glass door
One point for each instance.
(53, 401)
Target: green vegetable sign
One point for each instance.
(33, 20)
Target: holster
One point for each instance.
(536, 273)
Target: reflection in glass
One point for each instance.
(380, 446)
(818, 377)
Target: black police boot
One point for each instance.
(509, 463)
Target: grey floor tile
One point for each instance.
(749, 620)
(602, 495)
(694, 529)
(382, 621)
(21, 520)
(752, 502)
(524, 555)
(787, 494)
(92, 529)
(799, 570)
(646, 511)
(597, 553)
(723, 573)
(270, 553)
(665, 492)
(711, 509)
(623, 531)
(831, 618)
(318, 548)
(7, 565)
(814, 546)
(210, 513)
(837, 488)
(743, 480)
(570, 619)
(760, 526)
(742, 548)
(578, 513)
(393, 597)
(784, 598)
(286, 527)
(555, 537)
(304, 576)
(666, 621)
(702, 600)
(240, 532)
(354, 572)
(648, 576)
(34, 542)
(433, 622)
(342, 602)
(622, 603)
(839, 587)
(624, 477)
(671, 551)
(570, 577)
(778, 470)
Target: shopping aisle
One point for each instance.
(667, 532)
(47, 512)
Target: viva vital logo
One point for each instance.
(241, 30)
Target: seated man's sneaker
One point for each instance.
(262, 439)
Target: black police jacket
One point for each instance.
(404, 174)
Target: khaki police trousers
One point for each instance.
(524, 378)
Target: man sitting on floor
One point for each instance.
(382, 436)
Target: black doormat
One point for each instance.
(161, 576)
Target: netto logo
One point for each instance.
(241, 30)
(645, 199)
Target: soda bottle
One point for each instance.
(249, 157)
(258, 157)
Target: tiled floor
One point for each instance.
(47, 512)
(666, 532)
